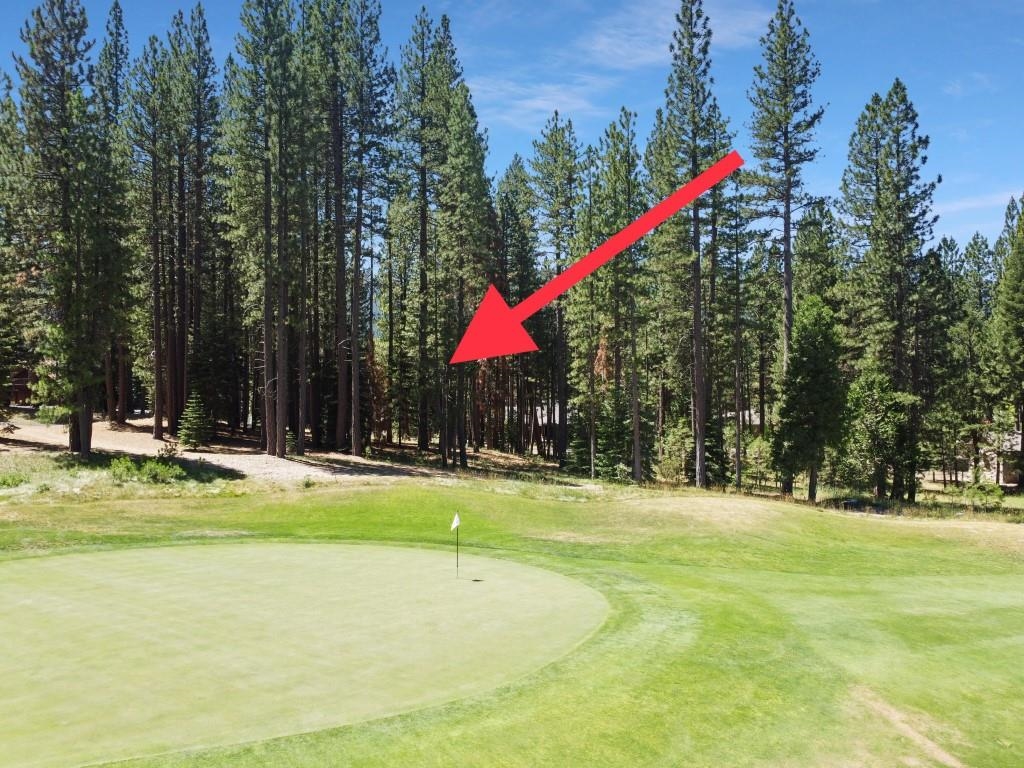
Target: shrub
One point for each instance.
(12, 479)
(122, 469)
(986, 497)
(196, 426)
(677, 447)
(154, 471)
(167, 452)
(125, 470)
(53, 414)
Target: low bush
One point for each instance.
(154, 471)
(983, 497)
(167, 452)
(12, 479)
(53, 414)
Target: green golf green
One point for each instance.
(141, 651)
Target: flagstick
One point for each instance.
(456, 553)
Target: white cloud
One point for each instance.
(994, 200)
(638, 34)
(527, 104)
(975, 82)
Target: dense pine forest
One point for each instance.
(291, 244)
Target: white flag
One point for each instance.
(456, 521)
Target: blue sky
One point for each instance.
(524, 58)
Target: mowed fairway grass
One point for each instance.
(729, 631)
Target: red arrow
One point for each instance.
(497, 329)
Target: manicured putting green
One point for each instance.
(140, 651)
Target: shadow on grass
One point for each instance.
(340, 465)
(414, 463)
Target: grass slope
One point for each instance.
(741, 632)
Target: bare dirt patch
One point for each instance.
(727, 513)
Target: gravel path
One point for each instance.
(135, 438)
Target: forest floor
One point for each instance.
(239, 455)
(234, 455)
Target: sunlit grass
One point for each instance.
(743, 632)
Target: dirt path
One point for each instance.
(905, 726)
(135, 438)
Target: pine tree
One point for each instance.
(443, 98)
(11, 179)
(262, 155)
(818, 252)
(555, 168)
(416, 126)
(370, 81)
(196, 426)
(517, 277)
(974, 275)
(148, 127)
(813, 395)
(584, 320)
(1001, 248)
(689, 117)
(618, 198)
(888, 206)
(207, 285)
(783, 133)
(111, 88)
(935, 309)
(65, 227)
(400, 318)
(463, 238)
(671, 291)
(1008, 325)
(735, 243)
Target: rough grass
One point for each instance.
(49, 477)
(742, 632)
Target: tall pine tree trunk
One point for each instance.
(737, 350)
(181, 296)
(158, 333)
(357, 265)
(700, 393)
(389, 432)
(315, 394)
(460, 371)
(341, 430)
(122, 384)
(787, 275)
(108, 382)
(303, 320)
(283, 276)
(269, 373)
(170, 337)
(423, 414)
(84, 413)
(634, 396)
(762, 388)
(787, 300)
